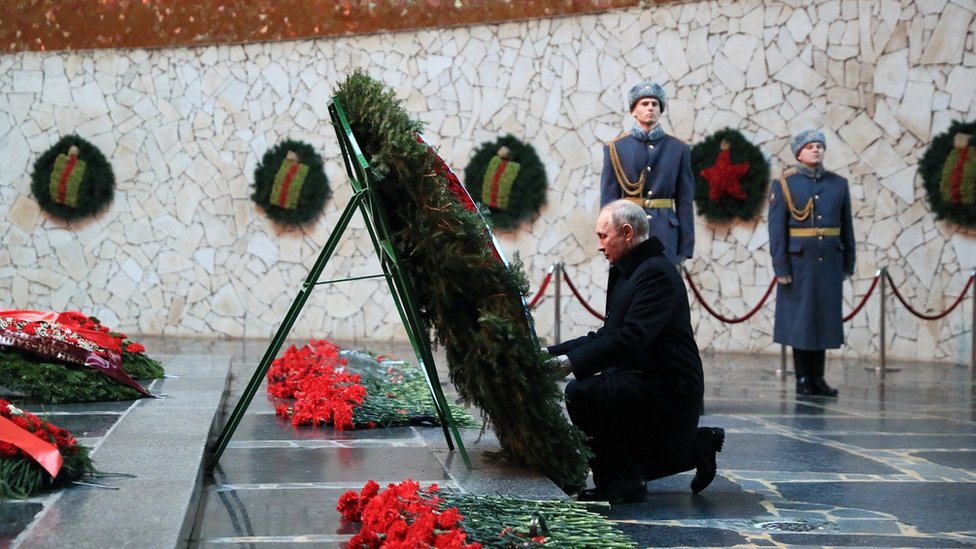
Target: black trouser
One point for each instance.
(639, 428)
(809, 364)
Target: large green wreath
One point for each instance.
(949, 174)
(72, 180)
(290, 184)
(466, 294)
(508, 180)
(56, 383)
(718, 205)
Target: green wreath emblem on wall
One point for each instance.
(72, 180)
(507, 179)
(948, 170)
(731, 175)
(290, 185)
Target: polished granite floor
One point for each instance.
(891, 463)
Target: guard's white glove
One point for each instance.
(784, 280)
(681, 262)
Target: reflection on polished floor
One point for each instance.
(891, 463)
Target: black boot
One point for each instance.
(801, 363)
(817, 381)
(708, 442)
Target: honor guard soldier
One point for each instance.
(811, 240)
(653, 170)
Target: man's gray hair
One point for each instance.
(624, 212)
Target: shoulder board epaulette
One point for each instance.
(788, 172)
(619, 137)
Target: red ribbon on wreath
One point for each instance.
(959, 173)
(66, 177)
(44, 453)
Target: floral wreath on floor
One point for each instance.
(406, 515)
(508, 180)
(36, 455)
(70, 357)
(731, 175)
(290, 185)
(72, 180)
(948, 170)
(352, 389)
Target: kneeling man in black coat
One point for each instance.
(638, 384)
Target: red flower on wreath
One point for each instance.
(62, 439)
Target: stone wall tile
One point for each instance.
(731, 76)
(944, 45)
(959, 85)
(799, 25)
(866, 29)
(883, 159)
(670, 52)
(767, 96)
(799, 76)
(860, 132)
(902, 184)
(752, 23)
(915, 110)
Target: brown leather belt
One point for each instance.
(652, 203)
(815, 231)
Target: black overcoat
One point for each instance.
(639, 382)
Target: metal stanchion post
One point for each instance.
(558, 274)
(883, 273)
(781, 373)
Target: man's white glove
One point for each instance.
(681, 262)
(562, 362)
(784, 279)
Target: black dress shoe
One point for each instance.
(708, 442)
(633, 494)
(820, 388)
(804, 386)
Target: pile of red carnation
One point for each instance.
(315, 377)
(402, 517)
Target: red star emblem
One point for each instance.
(724, 177)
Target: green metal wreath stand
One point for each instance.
(367, 200)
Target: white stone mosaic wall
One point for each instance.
(184, 252)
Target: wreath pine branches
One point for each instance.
(290, 185)
(948, 170)
(508, 180)
(73, 180)
(469, 298)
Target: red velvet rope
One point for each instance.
(924, 316)
(592, 311)
(542, 289)
(545, 283)
(864, 299)
(725, 319)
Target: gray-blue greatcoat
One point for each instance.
(808, 311)
(668, 175)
